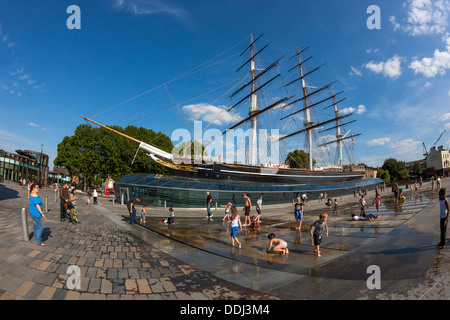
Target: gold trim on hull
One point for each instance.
(176, 166)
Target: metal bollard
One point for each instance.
(165, 205)
(26, 236)
(46, 205)
(113, 199)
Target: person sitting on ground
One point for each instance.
(372, 216)
(357, 218)
(254, 224)
(170, 219)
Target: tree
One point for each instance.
(188, 150)
(96, 153)
(417, 168)
(397, 169)
(384, 175)
(298, 159)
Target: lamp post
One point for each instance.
(40, 164)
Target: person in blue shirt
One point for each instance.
(36, 213)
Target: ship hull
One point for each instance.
(262, 175)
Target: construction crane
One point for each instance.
(434, 145)
(439, 138)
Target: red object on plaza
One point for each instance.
(107, 191)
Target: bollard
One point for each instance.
(121, 199)
(46, 205)
(113, 199)
(216, 206)
(165, 205)
(26, 236)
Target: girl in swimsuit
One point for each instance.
(280, 246)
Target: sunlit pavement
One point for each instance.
(194, 259)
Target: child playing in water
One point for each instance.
(362, 201)
(254, 224)
(298, 211)
(279, 245)
(235, 222)
(227, 212)
(171, 218)
(335, 207)
(258, 207)
(377, 202)
(143, 215)
(319, 226)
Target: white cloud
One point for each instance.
(424, 17)
(33, 124)
(438, 64)
(355, 71)
(148, 7)
(405, 147)
(390, 68)
(379, 142)
(360, 110)
(394, 23)
(210, 114)
(445, 117)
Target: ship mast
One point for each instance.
(338, 133)
(309, 125)
(254, 112)
(253, 108)
(308, 121)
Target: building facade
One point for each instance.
(439, 160)
(24, 165)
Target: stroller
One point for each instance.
(71, 213)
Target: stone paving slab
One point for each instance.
(114, 263)
(194, 260)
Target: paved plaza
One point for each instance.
(193, 258)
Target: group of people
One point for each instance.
(363, 216)
(276, 244)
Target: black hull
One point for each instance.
(260, 175)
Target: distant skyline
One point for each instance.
(396, 78)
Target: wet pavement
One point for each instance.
(193, 258)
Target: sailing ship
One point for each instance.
(272, 173)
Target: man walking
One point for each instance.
(63, 197)
(208, 205)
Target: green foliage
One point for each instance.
(195, 148)
(298, 159)
(384, 175)
(417, 168)
(93, 153)
(397, 169)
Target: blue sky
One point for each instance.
(396, 79)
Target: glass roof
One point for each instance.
(153, 180)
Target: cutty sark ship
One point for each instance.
(290, 106)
